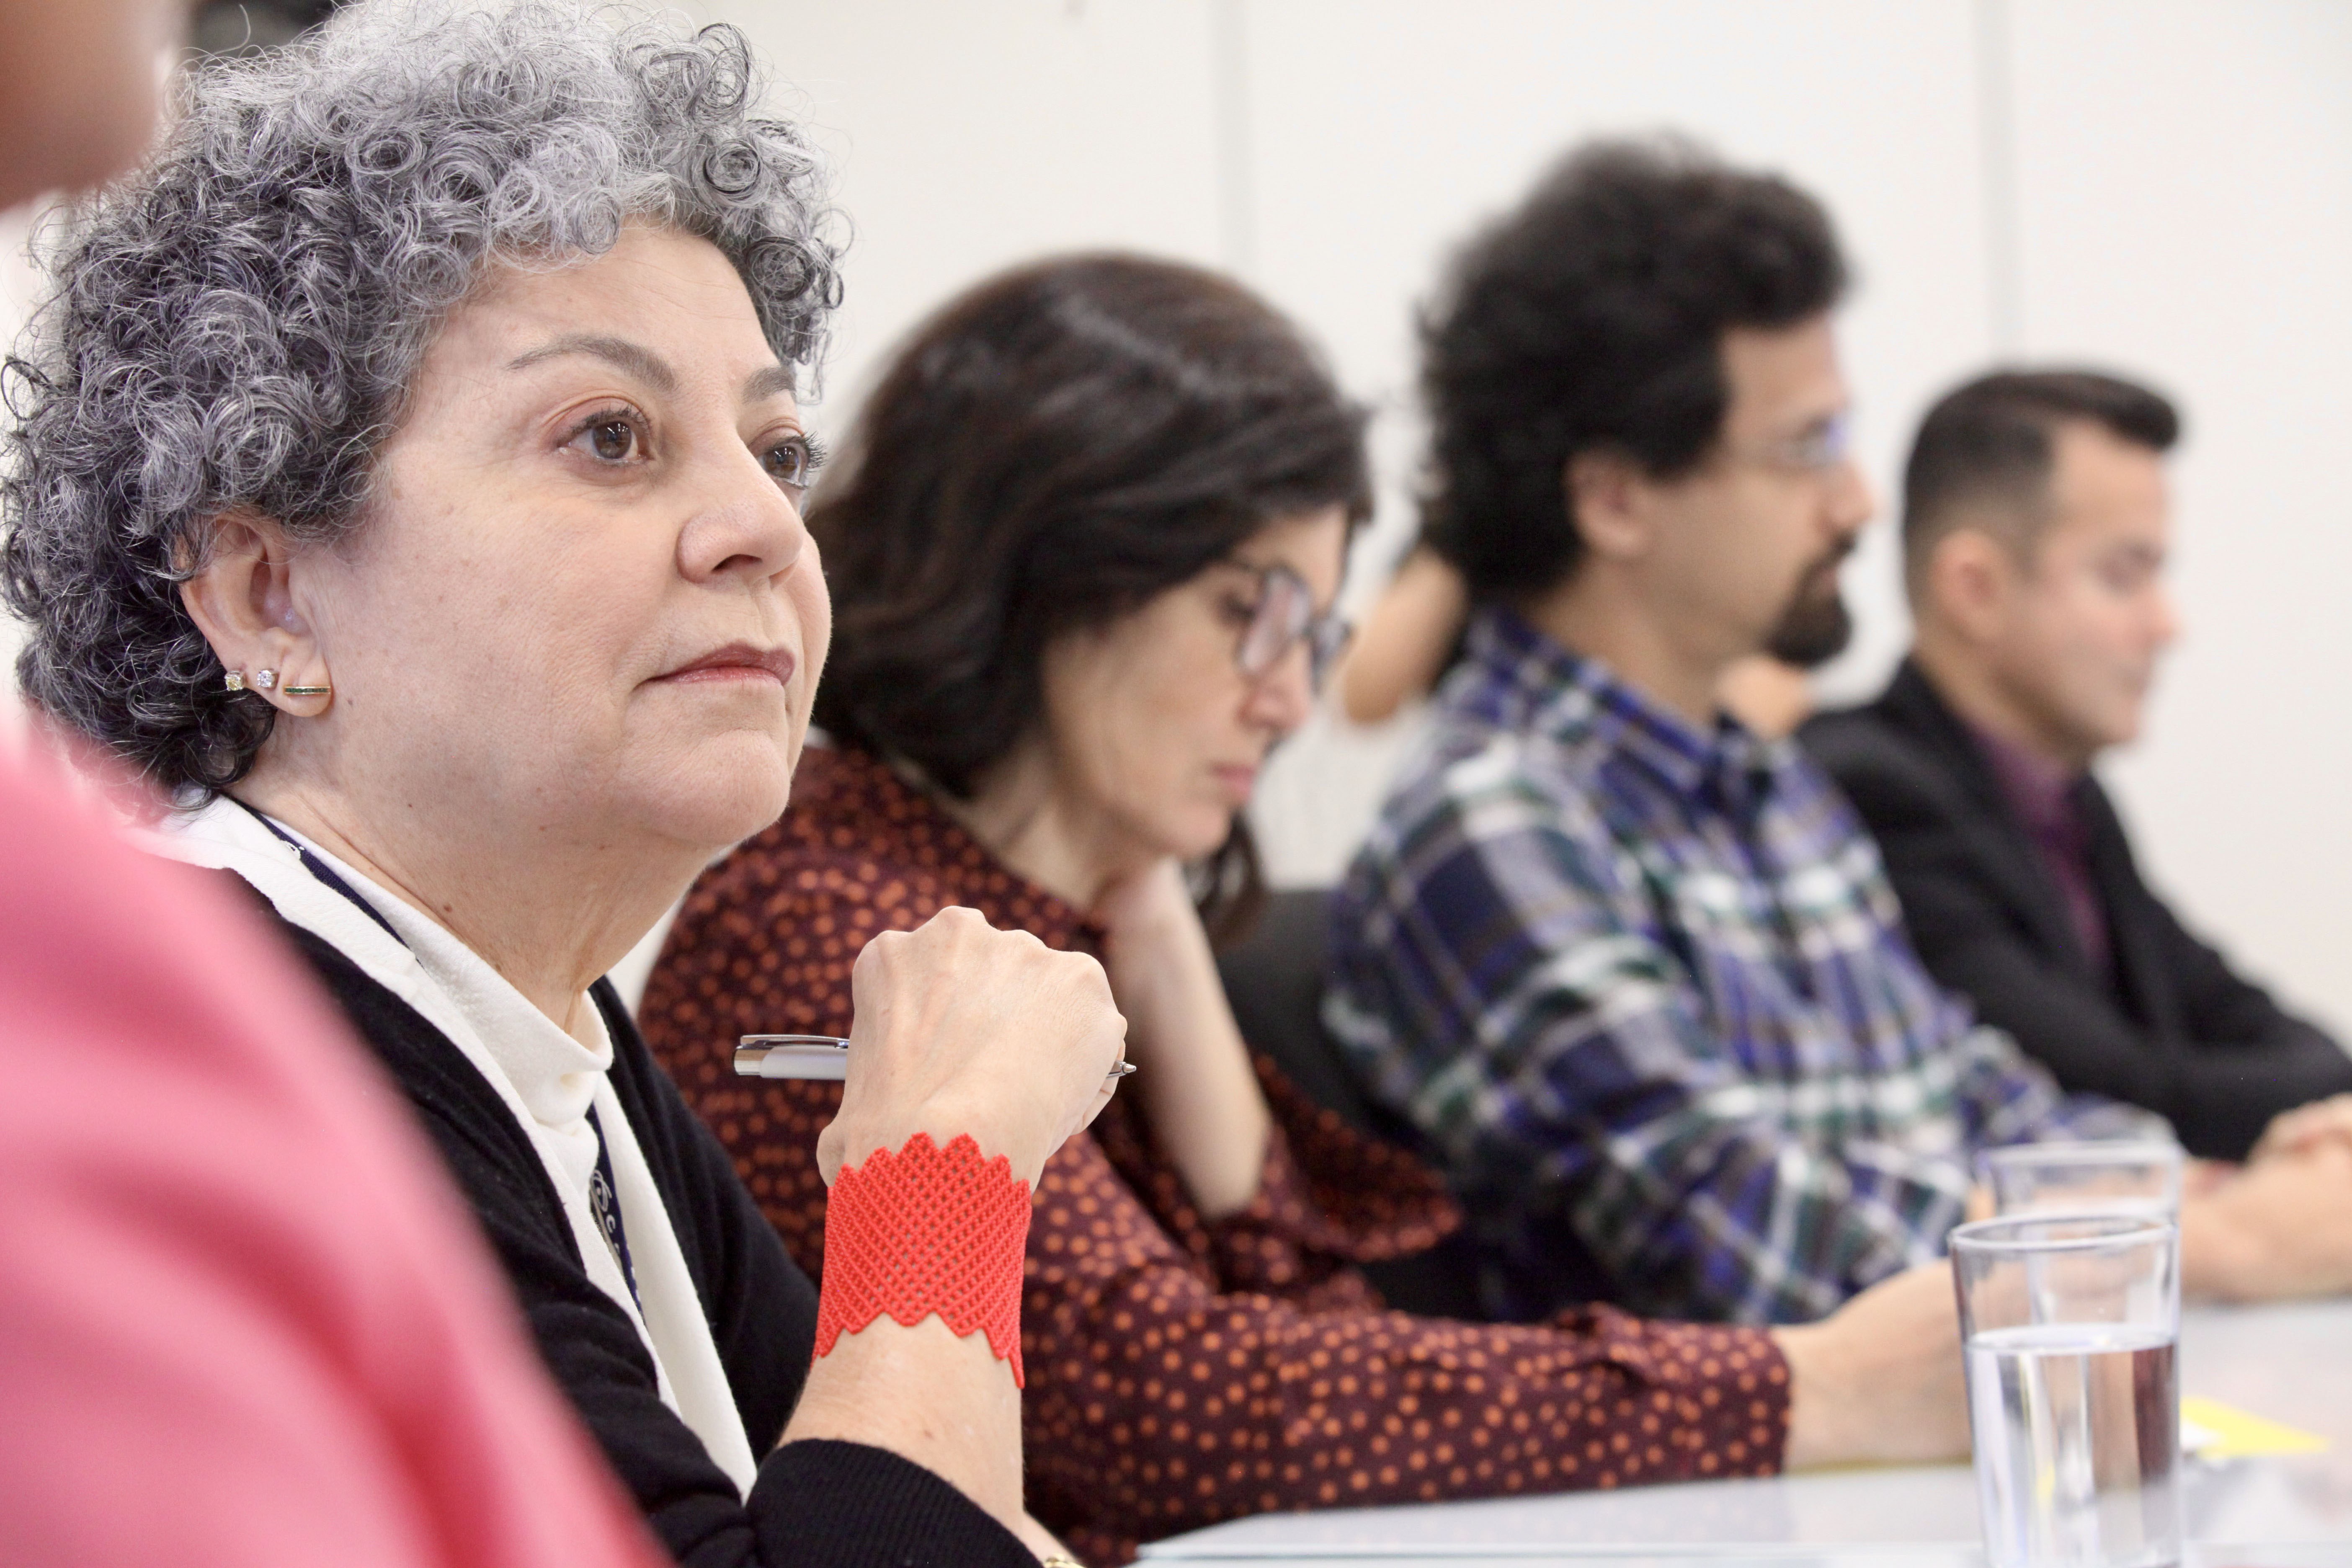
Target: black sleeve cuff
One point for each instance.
(826, 1504)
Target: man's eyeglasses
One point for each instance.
(1283, 617)
(1825, 446)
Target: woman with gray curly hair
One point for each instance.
(407, 484)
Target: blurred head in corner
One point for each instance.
(79, 101)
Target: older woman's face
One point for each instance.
(583, 599)
(1152, 720)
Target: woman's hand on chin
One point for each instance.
(1163, 975)
(1196, 1085)
(1154, 928)
(961, 1028)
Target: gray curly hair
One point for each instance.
(238, 324)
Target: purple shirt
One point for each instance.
(2042, 793)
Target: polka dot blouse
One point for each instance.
(1182, 1371)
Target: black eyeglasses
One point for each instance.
(1283, 615)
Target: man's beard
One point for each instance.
(1816, 625)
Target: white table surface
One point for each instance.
(2290, 1363)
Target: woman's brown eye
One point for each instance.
(613, 439)
(789, 463)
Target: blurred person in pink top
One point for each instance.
(209, 1354)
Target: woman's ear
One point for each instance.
(244, 597)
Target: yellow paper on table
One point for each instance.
(2235, 1435)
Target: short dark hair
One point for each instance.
(1592, 317)
(1054, 449)
(1991, 442)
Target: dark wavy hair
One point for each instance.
(1993, 441)
(237, 324)
(1593, 318)
(1052, 449)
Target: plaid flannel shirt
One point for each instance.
(1646, 993)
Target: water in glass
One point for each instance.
(2078, 1439)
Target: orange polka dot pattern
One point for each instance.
(1182, 1371)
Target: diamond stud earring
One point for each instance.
(236, 680)
(265, 680)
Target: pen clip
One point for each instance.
(820, 1056)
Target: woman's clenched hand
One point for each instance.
(963, 1028)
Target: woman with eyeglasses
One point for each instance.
(1082, 561)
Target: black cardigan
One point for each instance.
(2174, 1028)
(815, 1503)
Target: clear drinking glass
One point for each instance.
(2142, 1180)
(2070, 1323)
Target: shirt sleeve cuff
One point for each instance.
(827, 1504)
(1720, 1392)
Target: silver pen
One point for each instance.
(812, 1055)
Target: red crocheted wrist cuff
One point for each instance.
(927, 1230)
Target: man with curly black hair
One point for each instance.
(1650, 316)
(1635, 972)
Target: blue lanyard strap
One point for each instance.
(604, 1203)
(323, 871)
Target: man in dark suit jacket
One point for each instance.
(2034, 534)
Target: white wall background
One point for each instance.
(2161, 185)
